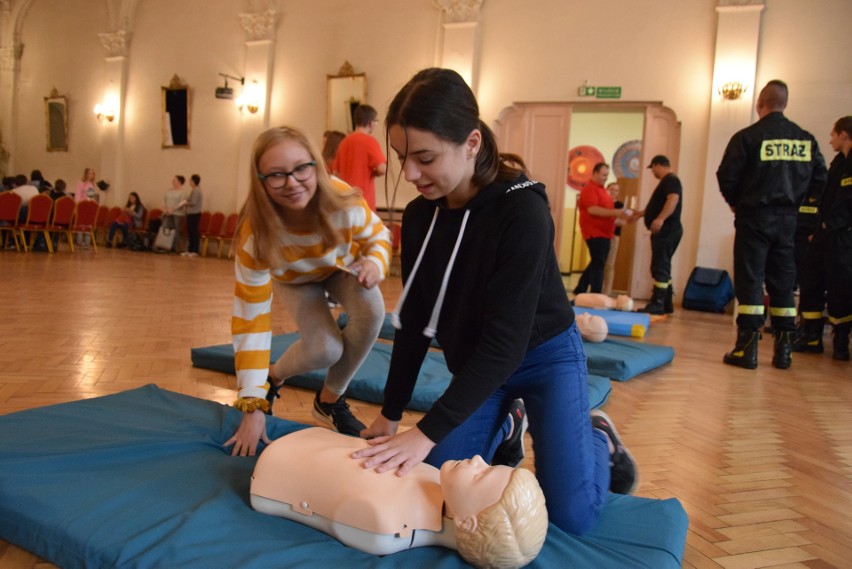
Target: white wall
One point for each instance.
(530, 50)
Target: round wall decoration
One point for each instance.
(626, 161)
(581, 162)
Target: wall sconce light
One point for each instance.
(249, 100)
(104, 112)
(732, 90)
(227, 92)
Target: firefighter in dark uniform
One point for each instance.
(662, 218)
(810, 275)
(834, 236)
(766, 171)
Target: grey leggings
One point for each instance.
(322, 344)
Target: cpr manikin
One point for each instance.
(593, 328)
(493, 515)
(598, 300)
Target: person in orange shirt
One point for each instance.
(597, 224)
(359, 158)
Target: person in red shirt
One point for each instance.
(359, 157)
(597, 224)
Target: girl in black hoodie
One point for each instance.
(481, 277)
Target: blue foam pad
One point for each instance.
(369, 381)
(620, 323)
(140, 479)
(622, 360)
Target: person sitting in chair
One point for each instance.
(493, 515)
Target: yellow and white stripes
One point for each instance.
(306, 260)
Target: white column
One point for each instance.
(458, 48)
(737, 37)
(111, 166)
(260, 51)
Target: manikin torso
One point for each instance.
(332, 492)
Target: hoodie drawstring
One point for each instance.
(395, 314)
(432, 328)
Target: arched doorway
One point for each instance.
(541, 134)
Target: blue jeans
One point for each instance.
(571, 458)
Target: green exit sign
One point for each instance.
(608, 92)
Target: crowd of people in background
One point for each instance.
(182, 204)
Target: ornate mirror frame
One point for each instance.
(56, 117)
(346, 90)
(176, 114)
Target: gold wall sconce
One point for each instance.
(732, 90)
(104, 112)
(250, 99)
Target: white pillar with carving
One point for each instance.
(260, 33)
(111, 168)
(11, 52)
(737, 38)
(459, 42)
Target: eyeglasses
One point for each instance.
(277, 180)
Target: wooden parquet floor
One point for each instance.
(761, 460)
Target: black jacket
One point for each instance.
(836, 213)
(504, 296)
(770, 166)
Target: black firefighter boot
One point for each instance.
(744, 353)
(809, 336)
(668, 301)
(657, 304)
(782, 356)
(841, 342)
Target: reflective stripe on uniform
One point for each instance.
(750, 309)
(776, 311)
(812, 315)
(808, 209)
(658, 284)
(842, 320)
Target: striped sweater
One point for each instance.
(306, 260)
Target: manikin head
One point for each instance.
(624, 302)
(593, 328)
(498, 511)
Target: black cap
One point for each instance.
(659, 159)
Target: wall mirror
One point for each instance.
(176, 114)
(346, 90)
(56, 114)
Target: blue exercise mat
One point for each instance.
(369, 381)
(623, 359)
(611, 358)
(620, 323)
(140, 479)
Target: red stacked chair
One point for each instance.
(85, 219)
(38, 218)
(63, 216)
(213, 231)
(10, 207)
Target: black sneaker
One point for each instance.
(338, 416)
(623, 475)
(511, 451)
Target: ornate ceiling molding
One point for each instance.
(259, 26)
(458, 11)
(115, 44)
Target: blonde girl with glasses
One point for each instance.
(303, 235)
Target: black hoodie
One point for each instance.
(504, 296)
